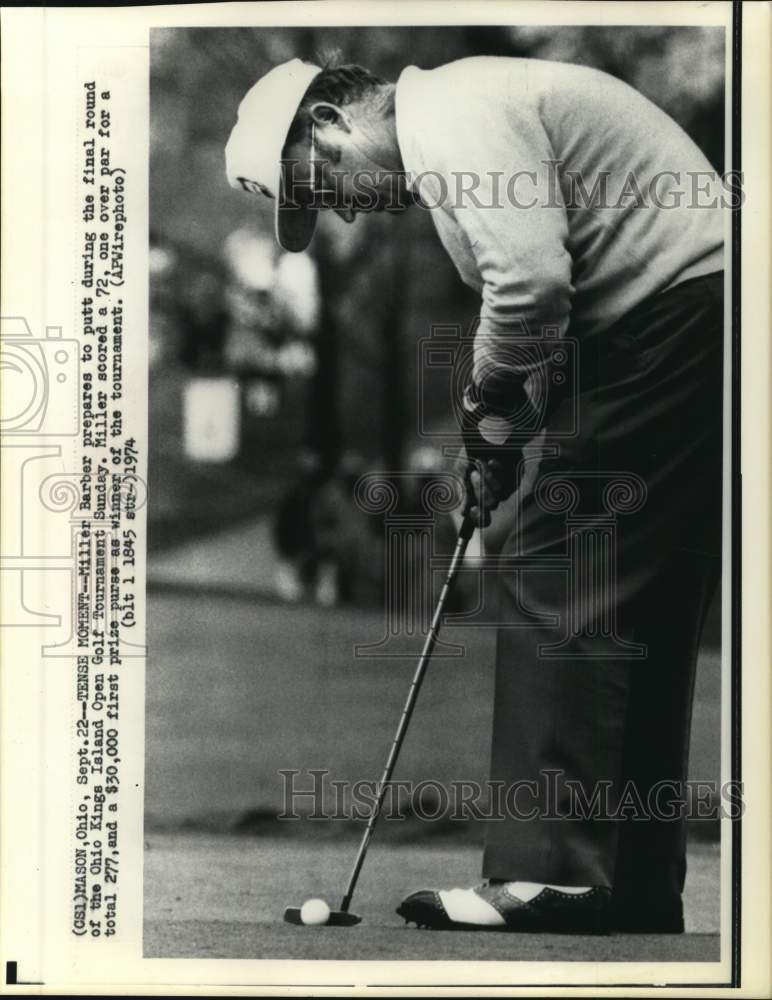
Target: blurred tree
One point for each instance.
(393, 424)
(323, 418)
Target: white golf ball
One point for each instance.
(314, 912)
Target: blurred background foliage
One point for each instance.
(344, 380)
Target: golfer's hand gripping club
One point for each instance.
(490, 475)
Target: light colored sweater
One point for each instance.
(548, 253)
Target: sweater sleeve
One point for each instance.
(505, 202)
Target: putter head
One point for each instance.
(338, 918)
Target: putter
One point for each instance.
(343, 917)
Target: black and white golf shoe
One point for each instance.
(511, 906)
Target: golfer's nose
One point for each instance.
(347, 214)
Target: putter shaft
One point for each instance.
(467, 529)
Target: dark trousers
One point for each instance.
(608, 710)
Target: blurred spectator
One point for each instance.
(294, 535)
(204, 320)
(349, 543)
(330, 550)
(188, 313)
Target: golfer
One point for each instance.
(577, 209)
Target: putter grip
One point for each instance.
(479, 451)
(492, 442)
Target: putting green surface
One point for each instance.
(223, 897)
(239, 690)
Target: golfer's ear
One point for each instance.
(323, 113)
